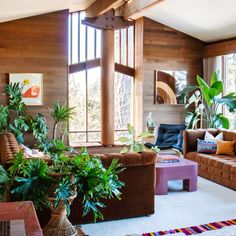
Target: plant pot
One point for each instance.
(59, 225)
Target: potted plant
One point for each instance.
(55, 184)
(209, 103)
(133, 143)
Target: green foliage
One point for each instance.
(34, 180)
(4, 118)
(14, 118)
(34, 185)
(155, 149)
(208, 104)
(183, 97)
(132, 143)
(61, 115)
(14, 92)
(39, 128)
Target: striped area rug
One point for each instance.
(201, 229)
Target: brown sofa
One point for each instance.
(139, 177)
(220, 169)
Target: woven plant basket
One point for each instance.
(59, 225)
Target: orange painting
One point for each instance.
(32, 87)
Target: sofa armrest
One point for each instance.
(190, 137)
(130, 159)
(8, 147)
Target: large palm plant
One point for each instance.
(210, 103)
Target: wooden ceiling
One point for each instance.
(126, 8)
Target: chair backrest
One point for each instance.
(163, 128)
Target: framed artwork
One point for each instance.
(168, 86)
(33, 87)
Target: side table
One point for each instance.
(22, 210)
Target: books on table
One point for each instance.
(167, 159)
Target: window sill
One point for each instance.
(91, 145)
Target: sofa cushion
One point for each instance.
(206, 146)
(225, 148)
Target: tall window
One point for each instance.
(85, 80)
(230, 84)
(124, 55)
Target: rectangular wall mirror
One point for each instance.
(168, 86)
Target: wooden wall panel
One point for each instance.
(37, 44)
(220, 48)
(167, 49)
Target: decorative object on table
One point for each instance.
(209, 103)
(168, 86)
(167, 158)
(185, 170)
(150, 123)
(169, 136)
(15, 117)
(32, 84)
(133, 144)
(223, 228)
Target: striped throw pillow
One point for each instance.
(208, 147)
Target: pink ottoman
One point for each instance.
(185, 170)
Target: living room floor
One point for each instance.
(212, 202)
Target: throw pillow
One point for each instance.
(225, 148)
(209, 137)
(208, 147)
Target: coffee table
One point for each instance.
(185, 170)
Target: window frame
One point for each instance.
(93, 63)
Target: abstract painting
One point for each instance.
(32, 87)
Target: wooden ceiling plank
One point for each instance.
(132, 9)
(100, 7)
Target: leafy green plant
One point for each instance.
(61, 114)
(85, 175)
(132, 143)
(155, 149)
(4, 118)
(14, 118)
(210, 102)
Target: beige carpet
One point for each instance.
(178, 209)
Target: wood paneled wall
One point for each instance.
(223, 47)
(165, 48)
(37, 44)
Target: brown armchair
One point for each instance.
(137, 197)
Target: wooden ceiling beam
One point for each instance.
(133, 8)
(100, 7)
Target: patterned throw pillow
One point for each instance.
(208, 147)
